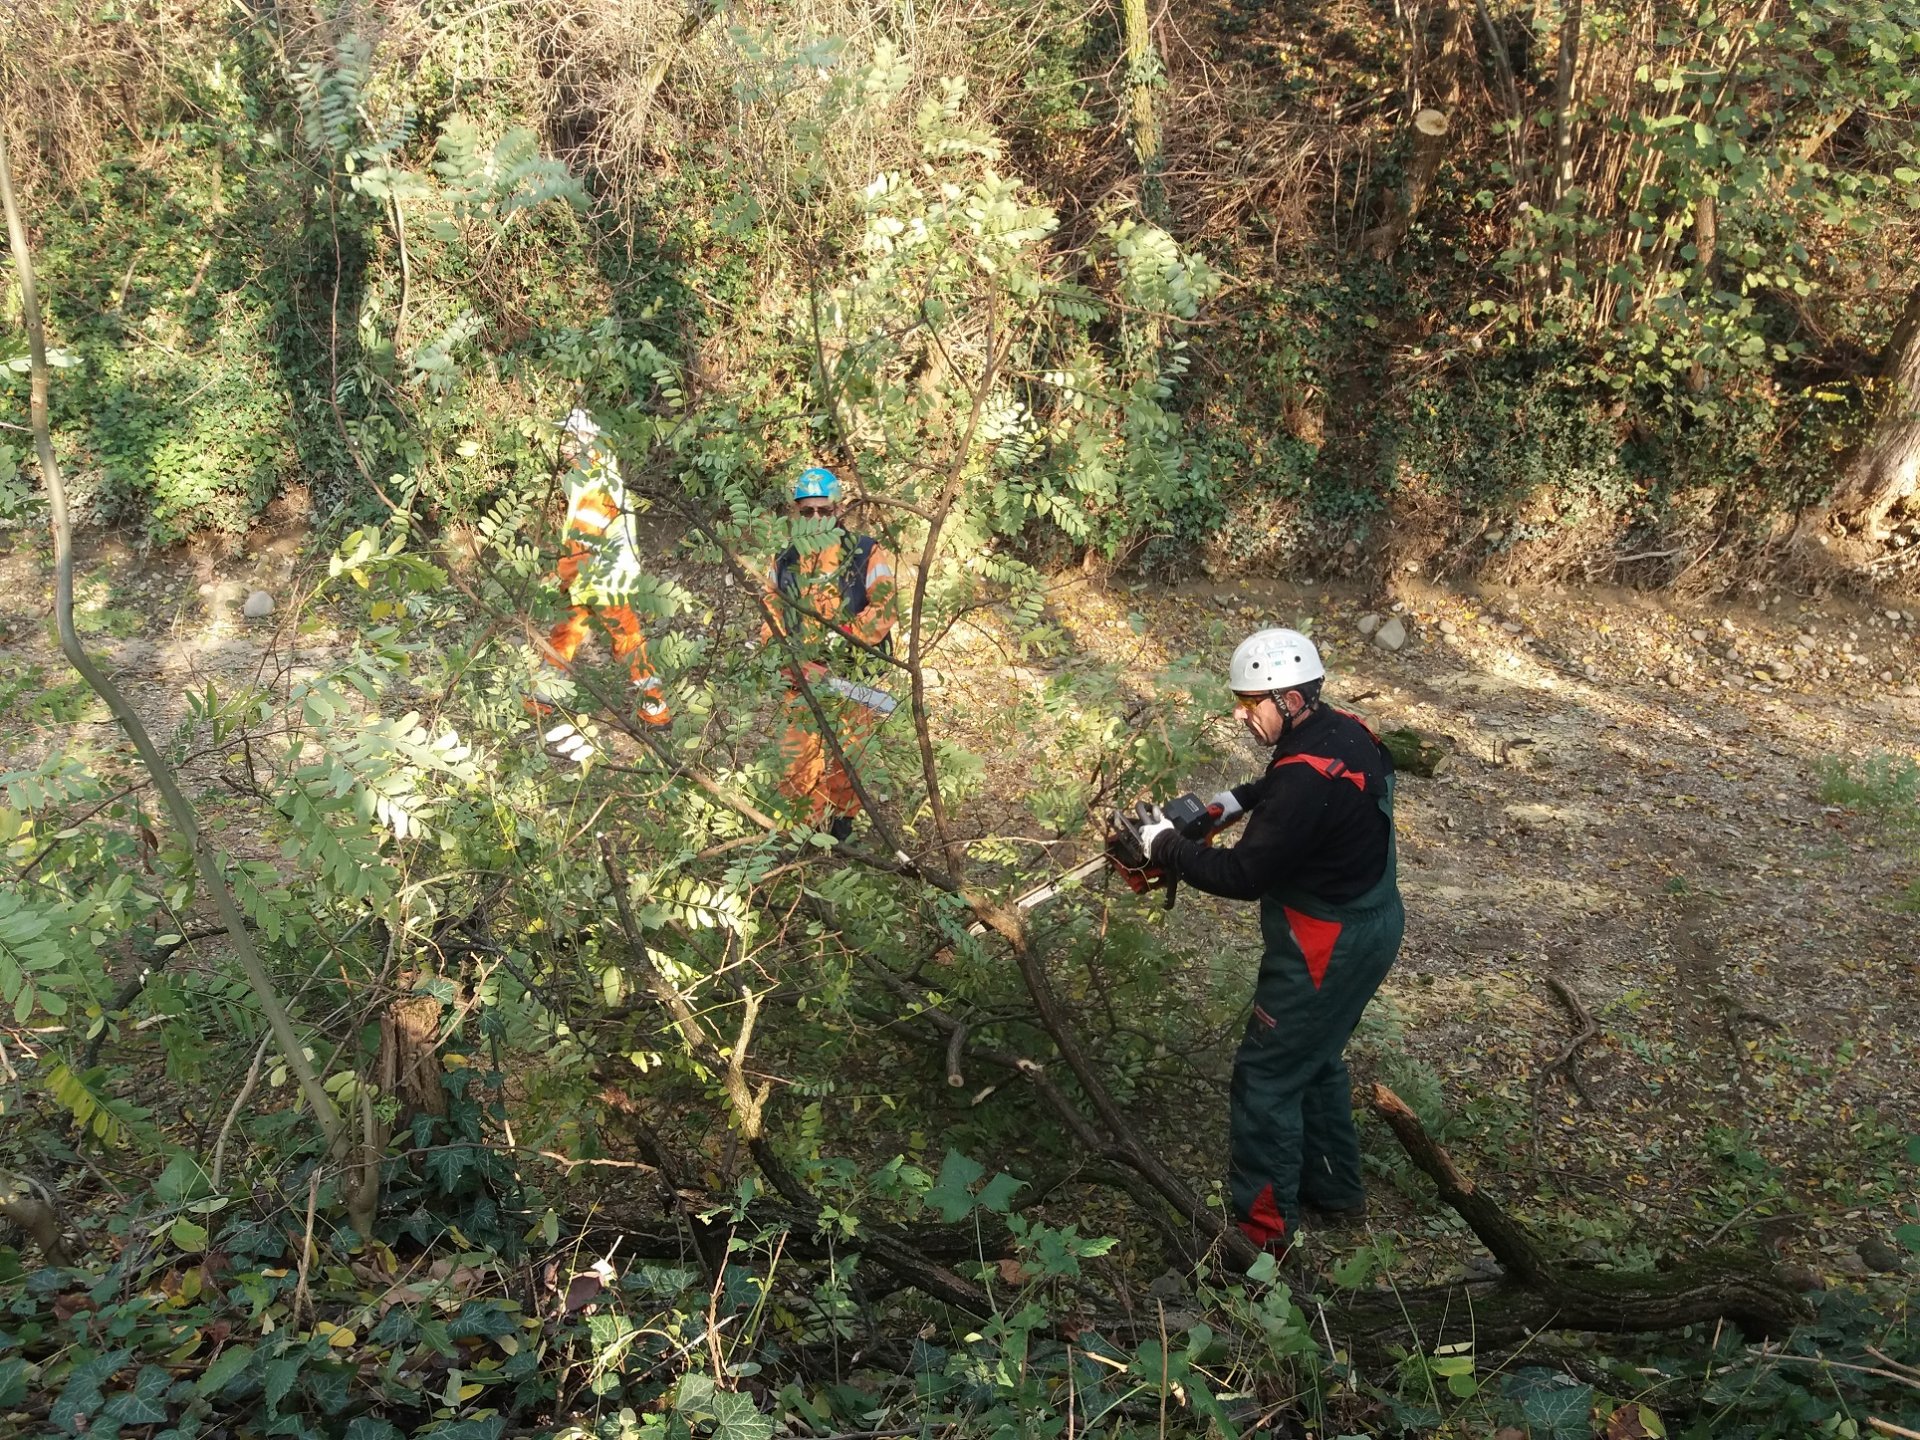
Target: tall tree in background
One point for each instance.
(1145, 74)
(1883, 469)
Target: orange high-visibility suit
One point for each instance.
(600, 570)
(850, 596)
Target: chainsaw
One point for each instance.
(1192, 818)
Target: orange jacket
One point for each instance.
(819, 585)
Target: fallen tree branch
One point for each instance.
(886, 1248)
(1127, 1173)
(1583, 1018)
(1538, 1292)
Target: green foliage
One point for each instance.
(854, 258)
(1886, 787)
(1510, 441)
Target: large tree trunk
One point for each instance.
(1145, 74)
(1884, 468)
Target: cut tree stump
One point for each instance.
(1540, 1292)
(409, 1062)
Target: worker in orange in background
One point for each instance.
(600, 569)
(829, 591)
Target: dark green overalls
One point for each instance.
(1291, 1136)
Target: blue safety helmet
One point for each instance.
(817, 483)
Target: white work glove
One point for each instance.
(1153, 830)
(1229, 807)
(565, 742)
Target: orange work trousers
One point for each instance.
(815, 781)
(623, 630)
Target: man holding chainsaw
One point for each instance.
(833, 592)
(1318, 854)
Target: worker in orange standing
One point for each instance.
(600, 570)
(837, 600)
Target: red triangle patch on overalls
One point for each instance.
(1316, 941)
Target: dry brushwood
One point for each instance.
(1588, 1028)
(1539, 1292)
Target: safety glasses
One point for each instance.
(1247, 704)
(817, 512)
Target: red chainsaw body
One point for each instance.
(1192, 817)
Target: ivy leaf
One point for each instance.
(1554, 1407)
(224, 1369)
(448, 1166)
(365, 1427)
(481, 1320)
(1909, 1236)
(695, 1395)
(396, 1327)
(330, 1386)
(81, 1399)
(952, 1192)
(997, 1194)
(735, 1417)
(145, 1404)
(13, 1381)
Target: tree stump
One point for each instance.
(409, 1063)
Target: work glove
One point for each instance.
(1226, 805)
(1154, 828)
(565, 742)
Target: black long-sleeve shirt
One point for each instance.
(1321, 834)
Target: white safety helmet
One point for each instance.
(580, 426)
(1269, 661)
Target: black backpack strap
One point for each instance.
(786, 571)
(853, 575)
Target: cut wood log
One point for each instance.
(1540, 1292)
(1414, 753)
(32, 1207)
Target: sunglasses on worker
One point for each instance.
(1250, 703)
(817, 510)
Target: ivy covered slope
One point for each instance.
(1523, 292)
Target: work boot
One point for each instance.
(1345, 1217)
(651, 707)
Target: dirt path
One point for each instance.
(1637, 815)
